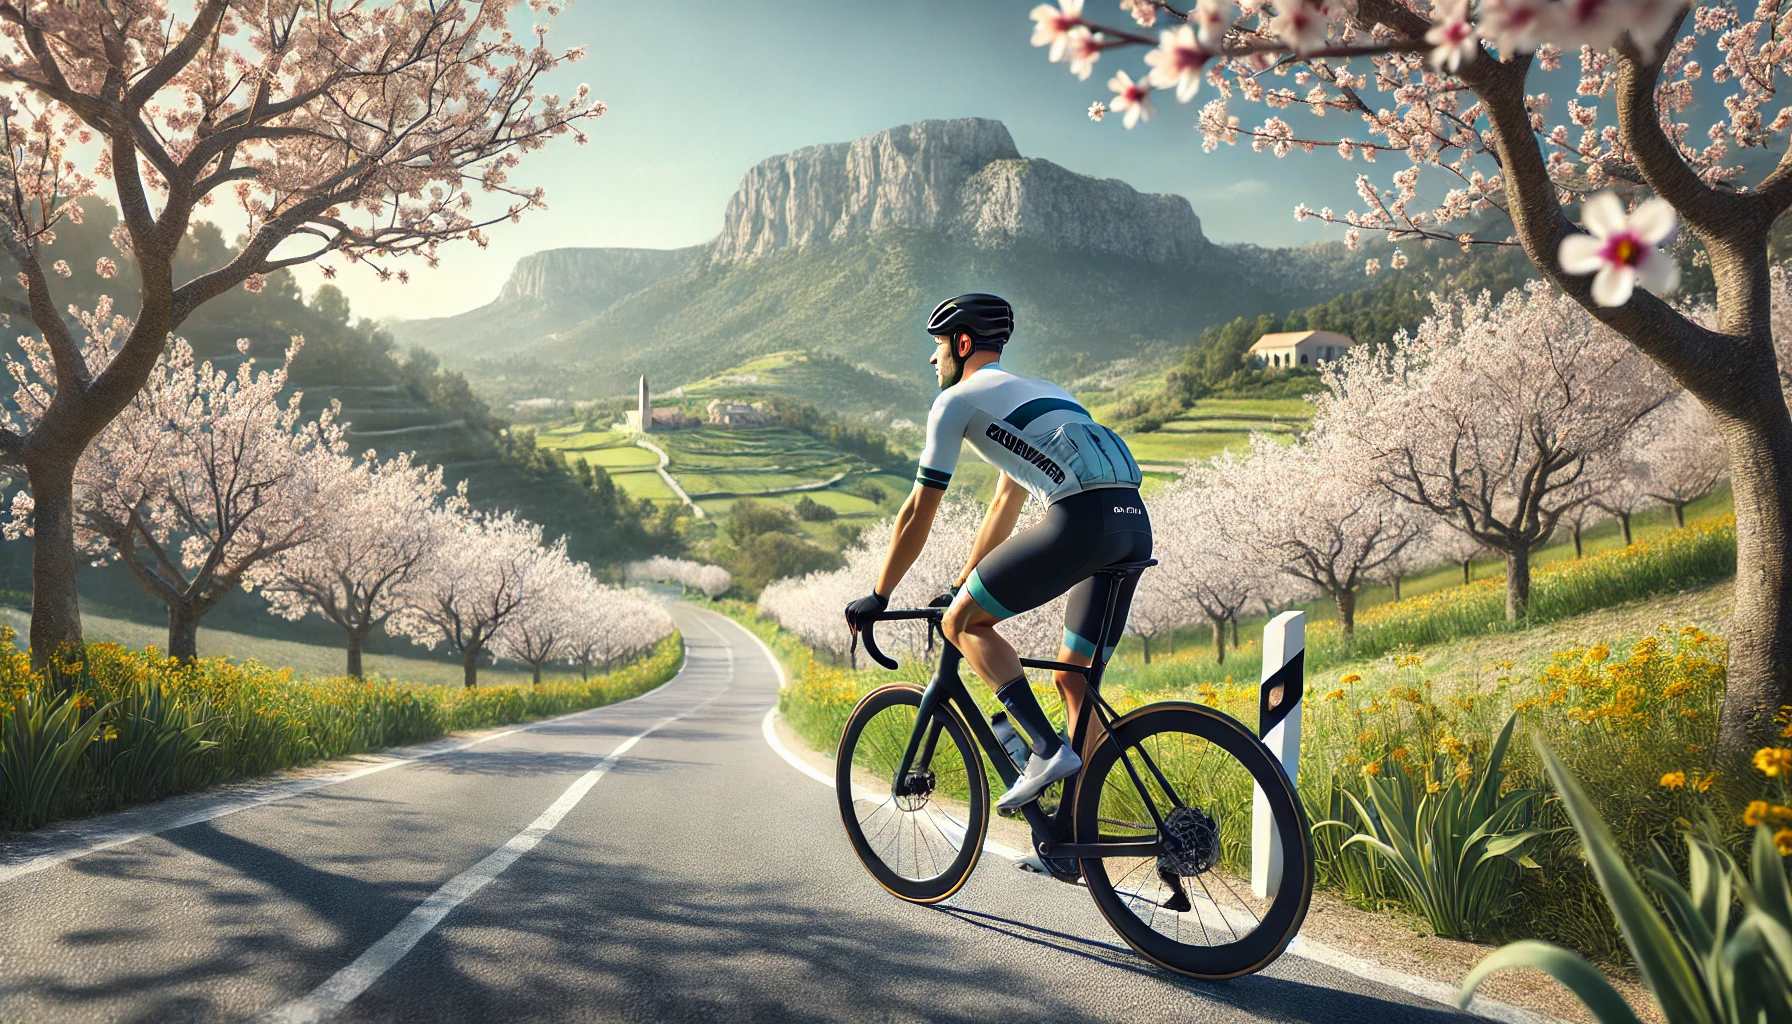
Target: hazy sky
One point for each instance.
(702, 90)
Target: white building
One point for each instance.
(1291, 349)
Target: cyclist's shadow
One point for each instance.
(1276, 998)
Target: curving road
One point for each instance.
(650, 861)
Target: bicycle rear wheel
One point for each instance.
(919, 837)
(1192, 910)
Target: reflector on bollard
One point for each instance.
(1278, 723)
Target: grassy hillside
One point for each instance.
(826, 381)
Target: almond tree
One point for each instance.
(1684, 455)
(374, 541)
(1205, 556)
(1458, 117)
(612, 624)
(710, 580)
(1312, 510)
(338, 126)
(542, 630)
(1493, 416)
(485, 570)
(203, 475)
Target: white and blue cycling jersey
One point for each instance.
(1029, 429)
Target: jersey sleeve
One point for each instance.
(946, 425)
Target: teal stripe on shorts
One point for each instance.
(984, 601)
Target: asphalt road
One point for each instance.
(545, 874)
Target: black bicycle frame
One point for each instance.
(1049, 833)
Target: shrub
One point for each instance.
(811, 511)
(120, 726)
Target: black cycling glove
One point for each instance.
(859, 612)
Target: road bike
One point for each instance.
(1158, 824)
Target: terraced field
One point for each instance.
(718, 467)
(1215, 425)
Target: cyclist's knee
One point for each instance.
(965, 614)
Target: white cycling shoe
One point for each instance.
(1041, 772)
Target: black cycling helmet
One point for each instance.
(988, 319)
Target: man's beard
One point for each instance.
(954, 368)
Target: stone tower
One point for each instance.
(646, 413)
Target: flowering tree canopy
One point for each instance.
(204, 474)
(711, 580)
(1207, 561)
(1492, 414)
(353, 127)
(486, 570)
(382, 526)
(1682, 455)
(1444, 90)
(610, 624)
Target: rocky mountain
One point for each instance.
(843, 248)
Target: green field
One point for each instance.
(1215, 425)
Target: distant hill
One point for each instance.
(844, 248)
(823, 380)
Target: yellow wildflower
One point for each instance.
(1705, 783)
(1407, 661)
(1674, 780)
(1760, 812)
(1335, 695)
(1783, 840)
(1351, 678)
(1774, 761)
(1373, 769)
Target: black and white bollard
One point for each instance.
(1278, 724)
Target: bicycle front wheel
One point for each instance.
(920, 835)
(1191, 909)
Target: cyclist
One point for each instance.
(1047, 446)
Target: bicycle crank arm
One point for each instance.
(1095, 851)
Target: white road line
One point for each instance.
(327, 1000)
(1307, 949)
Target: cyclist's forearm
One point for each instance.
(913, 521)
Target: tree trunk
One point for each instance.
(1147, 642)
(1759, 679)
(1233, 618)
(536, 665)
(183, 631)
(1172, 643)
(55, 606)
(1518, 582)
(1346, 601)
(1219, 641)
(355, 639)
(1574, 531)
(1396, 586)
(1465, 565)
(1624, 527)
(1680, 515)
(470, 666)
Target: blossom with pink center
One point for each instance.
(1595, 23)
(1512, 26)
(1301, 24)
(1452, 38)
(61, 268)
(1622, 251)
(105, 267)
(1052, 25)
(1083, 51)
(1177, 62)
(1210, 20)
(1097, 110)
(1143, 11)
(1130, 97)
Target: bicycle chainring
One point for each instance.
(1191, 842)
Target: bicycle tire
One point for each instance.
(1180, 934)
(871, 745)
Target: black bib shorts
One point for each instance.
(1079, 536)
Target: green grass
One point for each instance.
(1215, 425)
(644, 485)
(305, 660)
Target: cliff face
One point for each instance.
(556, 273)
(961, 177)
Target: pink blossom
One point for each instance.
(1452, 38)
(1084, 52)
(1512, 26)
(1622, 251)
(1211, 22)
(61, 268)
(1143, 11)
(1052, 25)
(1302, 24)
(105, 267)
(254, 283)
(1132, 98)
(1097, 110)
(1372, 267)
(1177, 62)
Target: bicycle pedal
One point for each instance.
(1002, 812)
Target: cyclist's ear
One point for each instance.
(963, 344)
